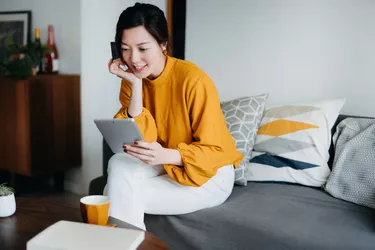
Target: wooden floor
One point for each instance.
(37, 211)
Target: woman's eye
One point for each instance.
(143, 49)
(124, 49)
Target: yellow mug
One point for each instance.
(95, 209)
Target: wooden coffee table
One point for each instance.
(34, 213)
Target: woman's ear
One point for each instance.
(164, 47)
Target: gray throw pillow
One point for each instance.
(353, 172)
(242, 117)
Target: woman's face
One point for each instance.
(142, 53)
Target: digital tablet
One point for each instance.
(118, 132)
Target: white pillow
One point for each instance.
(292, 143)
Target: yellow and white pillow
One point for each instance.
(292, 143)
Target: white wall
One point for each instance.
(65, 16)
(99, 88)
(294, 49)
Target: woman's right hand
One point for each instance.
(128, 75)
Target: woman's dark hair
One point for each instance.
(147, 15)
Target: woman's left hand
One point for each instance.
(151, 153)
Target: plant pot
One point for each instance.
(7, 205)
(34, 71)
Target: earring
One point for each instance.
(165, 52)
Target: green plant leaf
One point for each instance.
(11, 66)
(5, 190)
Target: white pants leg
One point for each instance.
(135, 188)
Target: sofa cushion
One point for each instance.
(270, 216)
(352, 177)
(242, 117)
(293, 142)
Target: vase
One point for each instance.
(7, 205)
(34, 71)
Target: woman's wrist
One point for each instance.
(173, 157)
(135, 104)
(137, 82)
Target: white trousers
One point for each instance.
(135, 188)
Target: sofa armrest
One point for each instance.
(97, 185)
(107, 154)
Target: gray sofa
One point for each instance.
(265, 216)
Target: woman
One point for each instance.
(186, 160)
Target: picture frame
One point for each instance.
(16, 24)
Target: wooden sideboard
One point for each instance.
(40, 124)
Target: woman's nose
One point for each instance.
(134, 57)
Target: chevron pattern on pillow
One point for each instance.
(293, 142)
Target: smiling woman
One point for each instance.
(185, 162)
(143, 52)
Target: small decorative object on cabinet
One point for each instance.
(40, 125)
(51, 58)
(22, 61)
(7, 201)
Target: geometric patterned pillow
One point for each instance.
(242, 117)
(293, 142)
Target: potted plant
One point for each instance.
(7, 201)
(18, 60)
